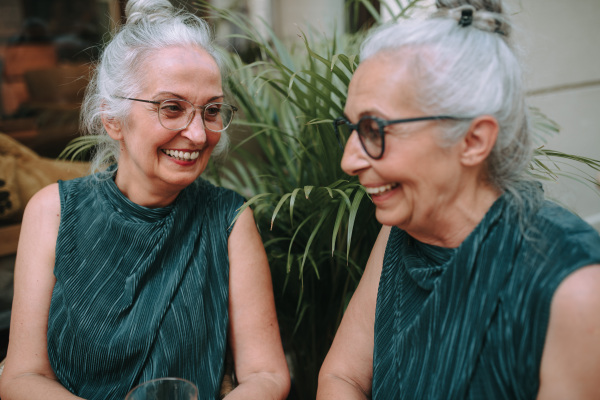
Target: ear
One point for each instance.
(479, 140)
(113, 127)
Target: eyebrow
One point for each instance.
(372, 113)
(221, 96)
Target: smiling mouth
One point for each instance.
(182, 155)
(374, 191)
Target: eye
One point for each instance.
(173, 109)
(212, 112)
(368, 129)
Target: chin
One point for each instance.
(182, 180)
(390, 218)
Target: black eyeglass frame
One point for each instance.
(381, 124)
(194, 107)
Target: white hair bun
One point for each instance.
(487, 15)
(150, 10)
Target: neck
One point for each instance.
(146, 197)
(450, 225)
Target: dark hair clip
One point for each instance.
(466, 17)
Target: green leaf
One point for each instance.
(336, 227)
(297, 231)
(310, 240)
(352, 217)
(292, 202)
(279, 204)
(344, 197)
(307, 190)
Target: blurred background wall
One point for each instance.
(562, 51)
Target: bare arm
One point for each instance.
(570, 367)
(347, 371)
(260, 365)
(27, 374)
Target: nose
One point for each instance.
(196, 132)
(354, 159)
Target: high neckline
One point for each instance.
(427, 262)
(134, 212)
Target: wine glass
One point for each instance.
(164, 389)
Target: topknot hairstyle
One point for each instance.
(151, 25)
(488, 14)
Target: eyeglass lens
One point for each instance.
(177, 114)
(369, 135)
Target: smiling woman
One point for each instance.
(141, 270)
(147, 145)
(477, 287)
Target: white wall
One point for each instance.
(326, 16)
(562, 54)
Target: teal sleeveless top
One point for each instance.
(140, 293)
(470, 322)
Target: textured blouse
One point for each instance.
(140, 293)
(470, 322)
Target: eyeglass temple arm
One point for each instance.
(143, 101)
(336, 122)
(398, 121)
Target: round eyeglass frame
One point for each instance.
(192, 115)
(381, 124)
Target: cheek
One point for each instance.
(213, 139)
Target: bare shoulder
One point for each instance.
(579, 292)
(245, 241)
(571, 358)
(41, 218)
(45, 201)
(244, 223)
(375, 263)
(575, 309)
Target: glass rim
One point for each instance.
(381, 125)
(192, 114)
(165, 379)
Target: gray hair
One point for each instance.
(467, 68)
(151, 25)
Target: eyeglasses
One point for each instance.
(371, 130)
(178, 114)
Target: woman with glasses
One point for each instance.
(141, 270)
(477, 287)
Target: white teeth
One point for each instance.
(380, 189)
(182, 155)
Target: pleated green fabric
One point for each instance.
(140, 293)
(470, 322)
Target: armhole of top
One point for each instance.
(237, 202)
(62, 198)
